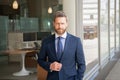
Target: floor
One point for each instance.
(114, 74)
(7, 70)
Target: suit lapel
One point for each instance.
(52, 46)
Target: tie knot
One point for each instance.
(59, 38)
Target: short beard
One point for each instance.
(59, 32)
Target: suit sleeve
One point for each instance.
(80, 59)
(42, 57)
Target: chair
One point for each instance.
(37, 47)
(42, 74)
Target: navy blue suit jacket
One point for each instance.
(73, 61)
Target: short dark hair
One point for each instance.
(60, 14)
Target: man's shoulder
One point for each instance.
(48, 38)
(73, 36)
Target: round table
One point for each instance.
(22, 52)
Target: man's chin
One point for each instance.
(60, 32)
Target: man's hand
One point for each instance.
(55, 66)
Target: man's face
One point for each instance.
(60, 25)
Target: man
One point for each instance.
(64, 61)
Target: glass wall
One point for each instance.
(90, 42)
(3, 32)
(101, 48)
(104, 29)
(117, 25)
(112, 27)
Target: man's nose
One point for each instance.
(60, 25)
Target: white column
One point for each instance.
(73, 9)
(69, 9)
(79, 19)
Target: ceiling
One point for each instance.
(4, 2)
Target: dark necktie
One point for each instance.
(59, 47)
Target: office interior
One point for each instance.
(24, 22)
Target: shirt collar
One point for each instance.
(63, 36)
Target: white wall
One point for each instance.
(69, 9)
(73, 9)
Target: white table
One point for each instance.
(23, 71)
